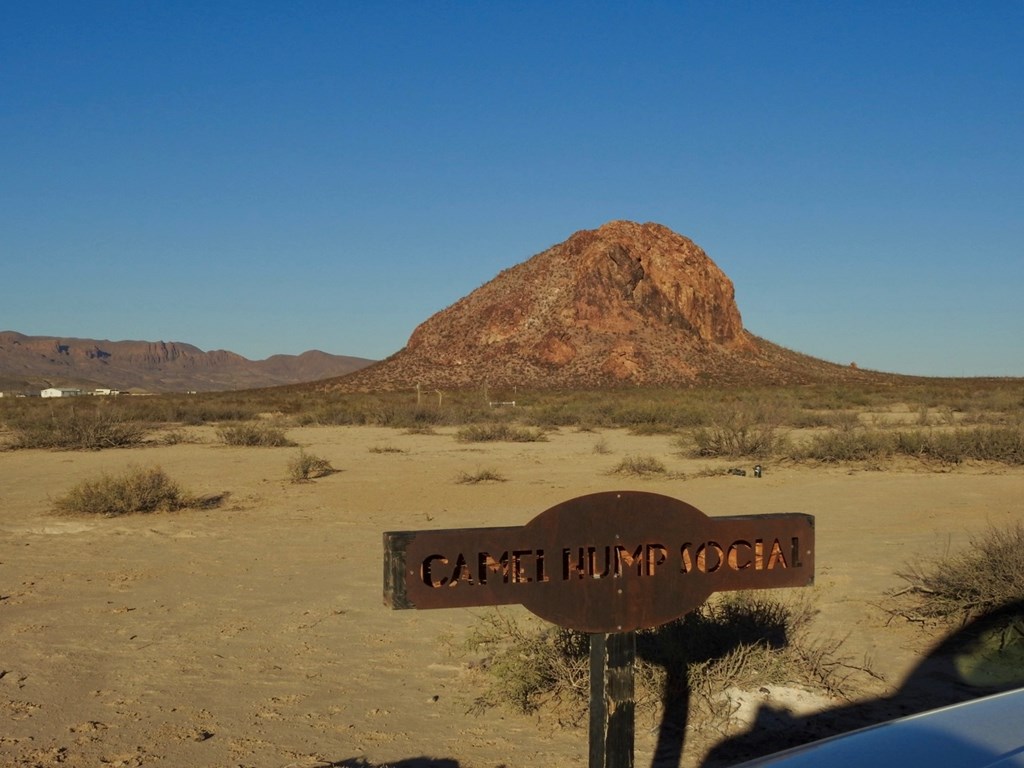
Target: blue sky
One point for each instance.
(276, 177)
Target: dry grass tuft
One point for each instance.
(71, 429)
(745, 640)
(136, 490)
(254, 435)
(950, 590)
(509, 433)
(640, 466)
(306, 467)
(480, 476)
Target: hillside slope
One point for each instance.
(624, 304)
(30, 363)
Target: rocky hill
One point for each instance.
(31, 363)
(625, 304)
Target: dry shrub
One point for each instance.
(387, 449)
(175, 437)
(1003, 444)
(137, 490)
(75, 430)
(260, 435)
(848, 443)
(421, 429)
(529, 663)
(742, 429)
(480, 476)
(509, 433)
(307, 466)
(639, 466)
(745, 640)
(952, 589)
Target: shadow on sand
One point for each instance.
(985, 656)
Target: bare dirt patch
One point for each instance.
(255, 635)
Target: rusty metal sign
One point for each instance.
(607, 562)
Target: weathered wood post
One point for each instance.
(606, 564)
(612, 704)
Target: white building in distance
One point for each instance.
(60, 392)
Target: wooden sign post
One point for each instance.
(607, 564)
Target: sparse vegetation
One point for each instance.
(740, 639)
(73, 429)
(173, 437)
(641, 466)
(254, 435)
(509, 433)
(307, 466)
(948, 421)
(546, 669)
(480, 476)
(952, 589)
(387, 449)
(741, 430)
(1003, 444)
(529, 664)
(136, 490)
(424, 429)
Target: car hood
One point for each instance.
(983, 733)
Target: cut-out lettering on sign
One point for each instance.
(607, 562)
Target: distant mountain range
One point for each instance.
(626, 304)
(32, 363)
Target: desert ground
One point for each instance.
(255, 634)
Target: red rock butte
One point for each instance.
(624, 304)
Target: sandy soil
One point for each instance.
(255, 634)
